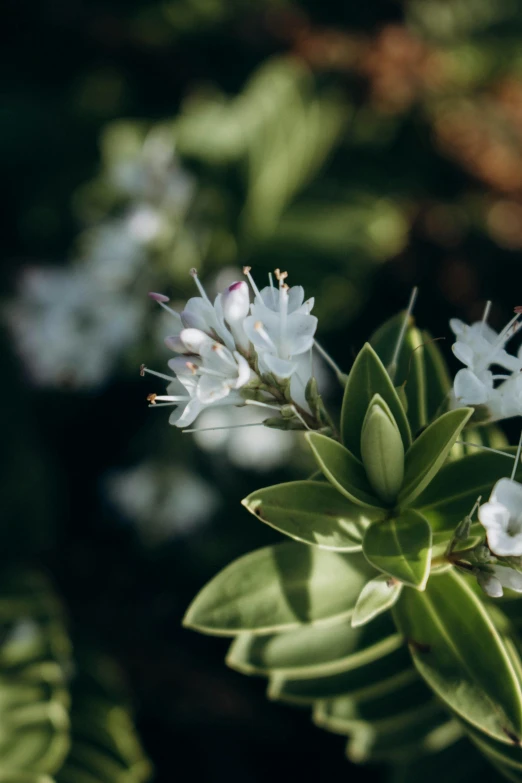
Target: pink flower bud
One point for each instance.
(236, 302)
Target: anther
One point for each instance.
(142, 370)
(161, 298)
(518, 310)
(247, 270)
(192, 367)
(152, 398)
(280, 276)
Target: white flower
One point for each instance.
(471, 389)
(496, 577)
(502, 518)
(280, 326)
(222, 346)
(478, 346)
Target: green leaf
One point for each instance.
(456, 487)
(376, 669)
(336, 714)
(409, 373)
(343, 470)
(401, 547)
(308, 648)
(277, 588)
(429, 452)
(377, 596)
(461, 655)
(438, 379)
(105, 747)
(34, 660)
(368, 377)
(312, 512)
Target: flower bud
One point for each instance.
(194, 340)
(236, 302)
(382, 450)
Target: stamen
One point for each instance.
(263, 404)
(161, 299)
(392, 368)
(335, 367)
(298, 416)
(168, 378)
(484, 448)
(283, 309)
(255, 289)
(260, 329)
(503, 336)
(487, 309)
(230, 427)
(194, 275)
(517, 458)
(173, 398)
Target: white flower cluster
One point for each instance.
(479, 347)
(231, 344)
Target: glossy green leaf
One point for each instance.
(382, 666)
(409, 373)
(377, 596)
(309, 647)
(343, 470)
(312, 512)
(368, 377)
(461, 655)
(429, 452)
(401, 547)
(278, 588)
(456, 487)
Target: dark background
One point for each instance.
(431, 148)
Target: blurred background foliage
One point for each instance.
(363, 147)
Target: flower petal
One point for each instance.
(281, 368)
(508, 493)
(211, 388)
(469, 389)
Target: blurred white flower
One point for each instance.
(68, 328)
(502, 518)
(496, 577)
(250, 448)
(162, 503)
